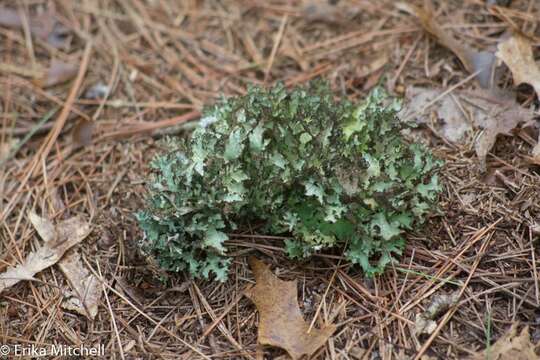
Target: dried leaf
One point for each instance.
(82, 132)
(10, 18)
(57, 204)
(511, 346)
(44, 228)
(516, 52)
(504, 115)
(281, 323)
(324, 11)
(423, 325)
(424, 322)
(420, 100)
(536, 150)
(44, 26)
(59, 72)
(86, 287)
(86, 290)
(58, 239)
(494, 111)
(472, 60)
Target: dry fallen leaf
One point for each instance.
(536, 150)
(43, 26)
(511, 346)
(494, 111)
(57, 240)
(59, 72)
(324, 11)
(504, 115)
(86, 287)
(82, 133)
(280, 321)
(86, 290)
(424, 322)
(516, 52)
(473, 61)
(419, 100)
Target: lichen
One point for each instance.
(324, 173)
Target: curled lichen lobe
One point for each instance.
(324, 172)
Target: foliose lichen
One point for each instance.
(325, 173)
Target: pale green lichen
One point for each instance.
(324, 173)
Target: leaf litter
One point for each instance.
(425, 322)
(493, 109)
(511, 346)
(496, 112)
(44, 26)
(57, 240)
(86, 288)
(58, 72)
(82, 132)
(281, 323)
(452, 348)
(516, 53)
(473, 60)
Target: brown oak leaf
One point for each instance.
(281, 323)
(511, 346)
(57, 240)
(517, 54)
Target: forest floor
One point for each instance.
(89, 88)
